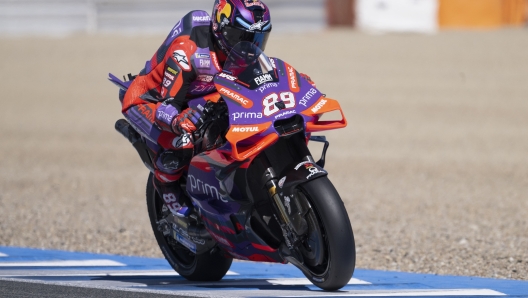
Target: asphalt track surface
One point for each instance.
(47, 273)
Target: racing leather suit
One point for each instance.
(182, 68)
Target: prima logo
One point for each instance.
(267, 86)
(244, 115)
(307, 97)
(200, 187)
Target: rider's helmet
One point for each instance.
(234, 21)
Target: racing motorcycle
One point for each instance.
(254, 191)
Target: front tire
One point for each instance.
(209, 266)
(332, 262)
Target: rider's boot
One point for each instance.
(169, 189)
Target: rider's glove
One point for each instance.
(306, 77)
(186, 121)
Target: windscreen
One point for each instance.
(250, 65)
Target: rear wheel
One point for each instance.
(329, 250)
(209, 266)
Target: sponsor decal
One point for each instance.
(319, 105)
(263, 79)
(284, 114)
(205, 78)
(215, 61)
(202, 88)
(169, 76)
(147, 112)
(281, 182)
(307, 97)
(223, 11)
(164, 116)
(201, 187)
(251, 3)
(202, 56)
(198, 241)
(185, 242)
(258, 26)
(173, 71)
(181, 59)
(226, 76)
(245, 129)
(246, 115)
(202, 19)
(246, 103)
(204, 63)
(313, 170)
(292, 78)
(267, 86)
(177, 29)
(302, 164)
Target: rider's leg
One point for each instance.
(169, 168)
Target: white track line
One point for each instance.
(305, 281)
(418, 293)
(76, 263)
(3, 255)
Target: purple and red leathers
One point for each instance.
(183, 68)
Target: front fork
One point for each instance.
(289, 210)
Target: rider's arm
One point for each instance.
(159, 95)
(177, 77)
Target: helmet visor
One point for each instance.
(235, 35)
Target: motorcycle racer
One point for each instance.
(183, 68)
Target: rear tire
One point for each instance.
(209, 266)
(335, 231)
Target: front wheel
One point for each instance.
(329, 250)
(209, 266)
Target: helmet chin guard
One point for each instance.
(234, 21)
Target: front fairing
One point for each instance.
(259, 92)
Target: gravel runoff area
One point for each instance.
(433, 166)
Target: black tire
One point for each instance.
(335, 230)
(209, 266)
